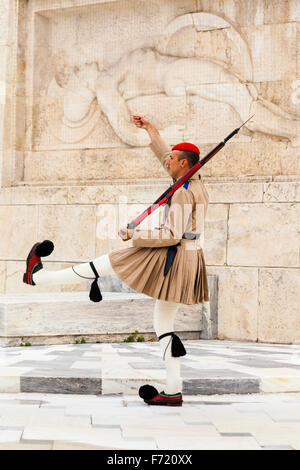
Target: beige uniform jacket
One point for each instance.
(188, 208)
(142, 266)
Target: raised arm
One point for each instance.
(160, 148)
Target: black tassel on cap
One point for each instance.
(177, 347)
(95, 294)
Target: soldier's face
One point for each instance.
(174, 165)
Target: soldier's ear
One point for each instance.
(184, 160)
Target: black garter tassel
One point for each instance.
(95, 293)
(177, 348)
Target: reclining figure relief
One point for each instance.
(147, 71)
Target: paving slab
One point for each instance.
(81, 422)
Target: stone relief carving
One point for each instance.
(156, 70)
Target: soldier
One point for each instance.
(166, 263)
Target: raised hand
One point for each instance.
(141, 121)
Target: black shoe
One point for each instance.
(162, 399)
(33, 262)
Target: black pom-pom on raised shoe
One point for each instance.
(33, 262)
(44, 249)
(147, 392)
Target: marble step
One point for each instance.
(209, 367)
(130, 386)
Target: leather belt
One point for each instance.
(191, 236)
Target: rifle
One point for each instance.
(166, 196)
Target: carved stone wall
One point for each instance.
(71, 74)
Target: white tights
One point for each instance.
(68, 276)
(164, 316)
(164, 312)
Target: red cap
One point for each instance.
(187, 146)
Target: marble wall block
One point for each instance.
(298, 60)
(284, 178)
(184, 43)
(237, 302)
(215, 234)
(167, 113)
(210, 311)
(243, 13)
(283, 93)
(222, 42)
(282, 192)
(211, 42)
(48, 133)
(237, 159)
(2, 276)
(257, 12)
(143, 193)
(264, 235)
(4, 24)
(116, 164)
(5, 196)
(278, 310)
(72, 230)
(90, 165)
(18, 225)
(289, 161)
(294, 10)
(4, 54)
(98, 194)
(210, 121)
(270, 45)
(4, 50)
(281, 11)
(29, 195)
(231, 192)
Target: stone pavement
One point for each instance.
(87, 422)
(210, 367)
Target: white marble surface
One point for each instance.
(253, 422)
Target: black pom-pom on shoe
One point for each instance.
(44, 249)
(147, 392)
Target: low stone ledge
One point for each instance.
(60, 318)
(64, 317)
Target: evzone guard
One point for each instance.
(165, 263)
